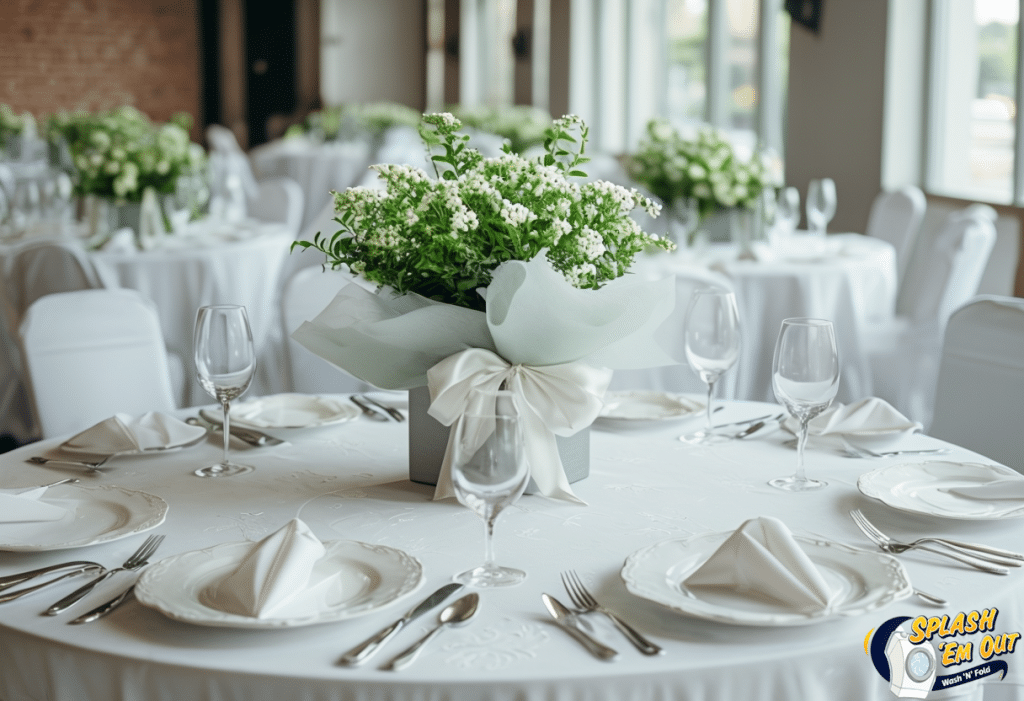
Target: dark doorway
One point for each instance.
(270, 63)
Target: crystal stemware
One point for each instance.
(489, 473)
(787, 211)
(225, 362)
(712, 346)
(805, 377)
(821, 205)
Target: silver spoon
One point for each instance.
(456, 613)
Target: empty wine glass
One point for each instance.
(225, 362)
(787, 211)
(712, 346)
(489, 473)
(821, 205)
(805, 377)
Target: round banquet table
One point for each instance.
(350, 481)
(240, 265)
(852, 282)
(319, 168)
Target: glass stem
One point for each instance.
(801, 441)
(707, 409)
(489, 543)
(227, 430)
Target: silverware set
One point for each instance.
(981, 557)
(136, 561)
(375, 410)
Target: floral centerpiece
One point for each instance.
(524, 127)
(348, 121)
(11, 123)
(496, 271)
(704, 171)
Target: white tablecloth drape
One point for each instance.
(318, 168)
(853, 286)
(350, 482)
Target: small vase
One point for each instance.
(428, 439)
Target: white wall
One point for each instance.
(373, 50)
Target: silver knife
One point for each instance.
(392, 412)
(568, 621)
(367, 409)
(362, 652)
(249, 435)
(103, 609)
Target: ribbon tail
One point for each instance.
(444, 488)
(545, 463)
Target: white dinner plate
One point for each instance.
(292, 411)
(922, 488)
(630, 409)
(95, 515)
(370, 577)
(864, 581)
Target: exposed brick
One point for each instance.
(98, 54)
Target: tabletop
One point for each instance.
(350, 481)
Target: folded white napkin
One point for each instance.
(761, 558)
(122, 433)
(276, 570)
(23, 506)
(999, 489)
(867, 416)
(121, 241)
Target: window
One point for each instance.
(972, 105)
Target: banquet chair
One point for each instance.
(904, 352)
(279, 200)
(306, 294)
(671, 337)
(896, 218)
(979, 398)
(93, 353)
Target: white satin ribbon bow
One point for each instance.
(551, 399)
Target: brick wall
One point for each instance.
(97, 54)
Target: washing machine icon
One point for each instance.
(912, 667)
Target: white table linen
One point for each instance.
(240, 266)
(350, 481)
(319, 168)
(853, 283)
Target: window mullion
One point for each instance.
(1018, 142)
(769, 130)
(717, 105)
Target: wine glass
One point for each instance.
(712, 346)
(225, 362)
(805, 377)
(821, 204)
(489, 473)
(787, 211)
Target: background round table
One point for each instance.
(350, 482)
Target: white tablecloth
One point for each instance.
(318, 168)
(350, 482)
(852, 285)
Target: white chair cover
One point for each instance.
(30, 271)
(905, 352)
(896, 217)
(93, 353)
(228, 158)
(279, 200)
(674, 378)
(979, 400)
(306, 294)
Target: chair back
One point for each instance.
(228, 159)
(91, 354)
(956, 263)
(307, 293)
(980, 395)
(896, 217)
(279, 200)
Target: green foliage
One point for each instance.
(442, 237)
(523, 126)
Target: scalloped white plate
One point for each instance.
(369, 578)
(95, 515)
(922, 488)
(864, 580)
(291, 410)
(634, 408)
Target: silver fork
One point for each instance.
(90, 464)
(889, 545)
(139, 558)
(585, 602)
